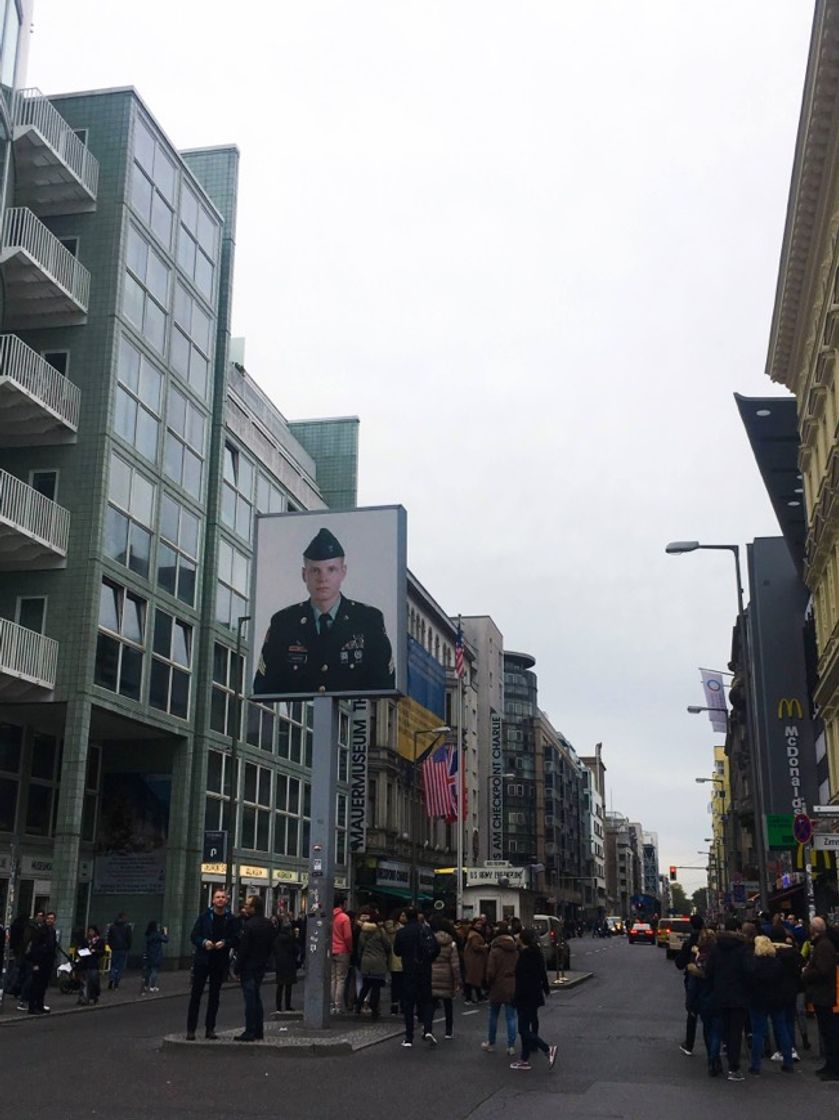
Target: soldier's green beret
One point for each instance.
(323, 547)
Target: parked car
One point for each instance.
(679, 933)
(641, 932)
(615, 924)
(549, 930)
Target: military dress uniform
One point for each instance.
(353, 656)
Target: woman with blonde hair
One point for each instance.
(765, 977)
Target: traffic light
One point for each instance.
(672, 873)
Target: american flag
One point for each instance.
(439, 780)
(459, 667)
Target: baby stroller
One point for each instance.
(67, 973)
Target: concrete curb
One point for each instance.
(15, 1016)
(572, 979)
(290, 1042)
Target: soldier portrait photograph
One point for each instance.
(327, 642)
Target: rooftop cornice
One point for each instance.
(811, 206)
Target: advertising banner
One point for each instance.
(713, 686)
(328, 604)
(784, 728)
(359, 723)
(495, 847)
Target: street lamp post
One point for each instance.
(676, 548)
(414, 800)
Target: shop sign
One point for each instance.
(282, 875)
(495, 849)
(392, 874)
(36, 867)
(489, 876)
(250, 874)
(358, 776)
(213, 868)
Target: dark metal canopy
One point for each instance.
(772, 427)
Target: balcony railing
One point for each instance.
(23, 232)
(31, 109)
(39, 380)
(26, 655)
(33, 515)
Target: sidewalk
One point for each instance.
(174, 983)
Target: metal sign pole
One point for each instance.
(321, 863)
(9, 916)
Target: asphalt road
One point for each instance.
(619, 1059)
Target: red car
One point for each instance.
(641, 931)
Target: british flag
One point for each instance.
(440, 783)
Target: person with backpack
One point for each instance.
(418, 948)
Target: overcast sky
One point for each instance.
(534, 247)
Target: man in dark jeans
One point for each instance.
(119, 942)
(214, 934)
(418, 947)
(729, 998)
(255, 948)
(819, 977)
(41, 953)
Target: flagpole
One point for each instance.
(461, 768)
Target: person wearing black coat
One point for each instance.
(256, 946)
(728, 997)
(531, 988)
(766, 981)
(41, 953)
(417, 947)
(683, 958)
(285, 963)
(88, 965)
(819, 977)
(214, 934)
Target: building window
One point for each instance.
(42, 801)
(232, 586)
(237, 492)
(341, 829)
(91, 792)
(153, 181)
(137, 400)
(183, 452)
(260, 730)
(225, 682)
(58, 359)
(171, 665)
(295, 739)
(177, 553)
(197, 242)
(121, 640)
(31, 613)
(256, 808)
(46, 483)
(11, 749)
(129, 517)
(290, 811)
(193, 320)
(269, 498)
(217, 803)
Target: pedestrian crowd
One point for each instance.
(426, 961)
(747, 979)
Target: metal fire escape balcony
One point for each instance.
(27, 662)
(33, 530)
(37, 403)
(54, 171)
(45, 284)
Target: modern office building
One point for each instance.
(133, 459)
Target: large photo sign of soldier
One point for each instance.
(328, 604)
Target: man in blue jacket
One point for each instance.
(214, 934)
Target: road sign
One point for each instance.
(825, 811)
(779, 831)
(826, 841)
(803, 828)
(215, 847)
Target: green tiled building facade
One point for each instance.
(134, 457)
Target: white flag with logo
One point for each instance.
(712, 683)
